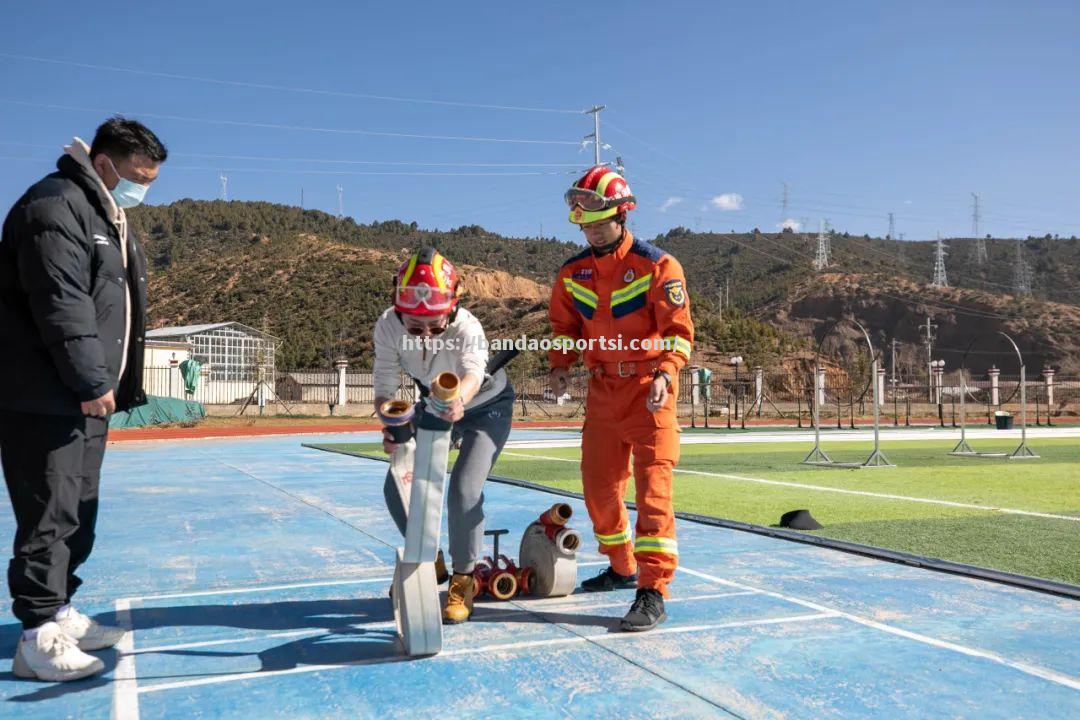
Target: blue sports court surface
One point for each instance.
(254, 573)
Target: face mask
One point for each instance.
(127, 194)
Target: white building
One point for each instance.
(234, 358)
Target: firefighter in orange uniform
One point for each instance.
(621, 306)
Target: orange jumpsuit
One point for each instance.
(636, 292)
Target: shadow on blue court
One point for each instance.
(254, 574)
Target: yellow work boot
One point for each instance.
(459, 599)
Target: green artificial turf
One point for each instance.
(1038, 546)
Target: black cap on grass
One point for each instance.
(799, 520)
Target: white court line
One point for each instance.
(1035, 670)
(843, 491)
(314, 632)
(263, 588)
(828, 435)
(505, 647)
(524, 607)
(535, 607)
(125, 701)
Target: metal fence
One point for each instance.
(290, 387)
(786, 396)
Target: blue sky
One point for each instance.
(862, 108)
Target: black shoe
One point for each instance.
(609, 580)
(646, 613)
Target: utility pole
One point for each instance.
(727, 293)
(940, 279)
(224, 187)
(301, 198)
(980, 244)
(340, 202)
(931, 330)
(595, 136)
(892, 226)
(821, 260)
(720, 303)
(893, 362)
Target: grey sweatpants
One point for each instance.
(483, 432)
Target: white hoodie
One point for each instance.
(80, 152)
(463, 352)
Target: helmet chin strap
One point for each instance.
(610, 247)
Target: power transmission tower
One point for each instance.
(821, 260)
(980, 244)
(619, 167)
(892, 226)
(784, 204)
(340, 202)
(901, 251)
(595, 136)
(224, 186)
(1021, 271)
(940, 279)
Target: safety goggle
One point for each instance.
(433, 329)
(413, 296)
(592, 201)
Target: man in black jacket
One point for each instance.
(72, 316)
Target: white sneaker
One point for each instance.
(53, 656)
(90, 634)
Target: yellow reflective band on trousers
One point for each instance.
(667, 546)
(617, 539)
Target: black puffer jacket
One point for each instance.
(62, 295)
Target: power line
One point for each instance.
(282, 171)
(280, 126)
(333, 161)
(271, 158)
(286, 88)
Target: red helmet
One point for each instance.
(600, 193)
(426, 284)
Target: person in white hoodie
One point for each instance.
(72, 315)
(424, 334)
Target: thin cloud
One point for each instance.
(670, 203)
(728, 202)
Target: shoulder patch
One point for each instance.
(580, 256)
(647, 250)
(583, 274)
(675, 292)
